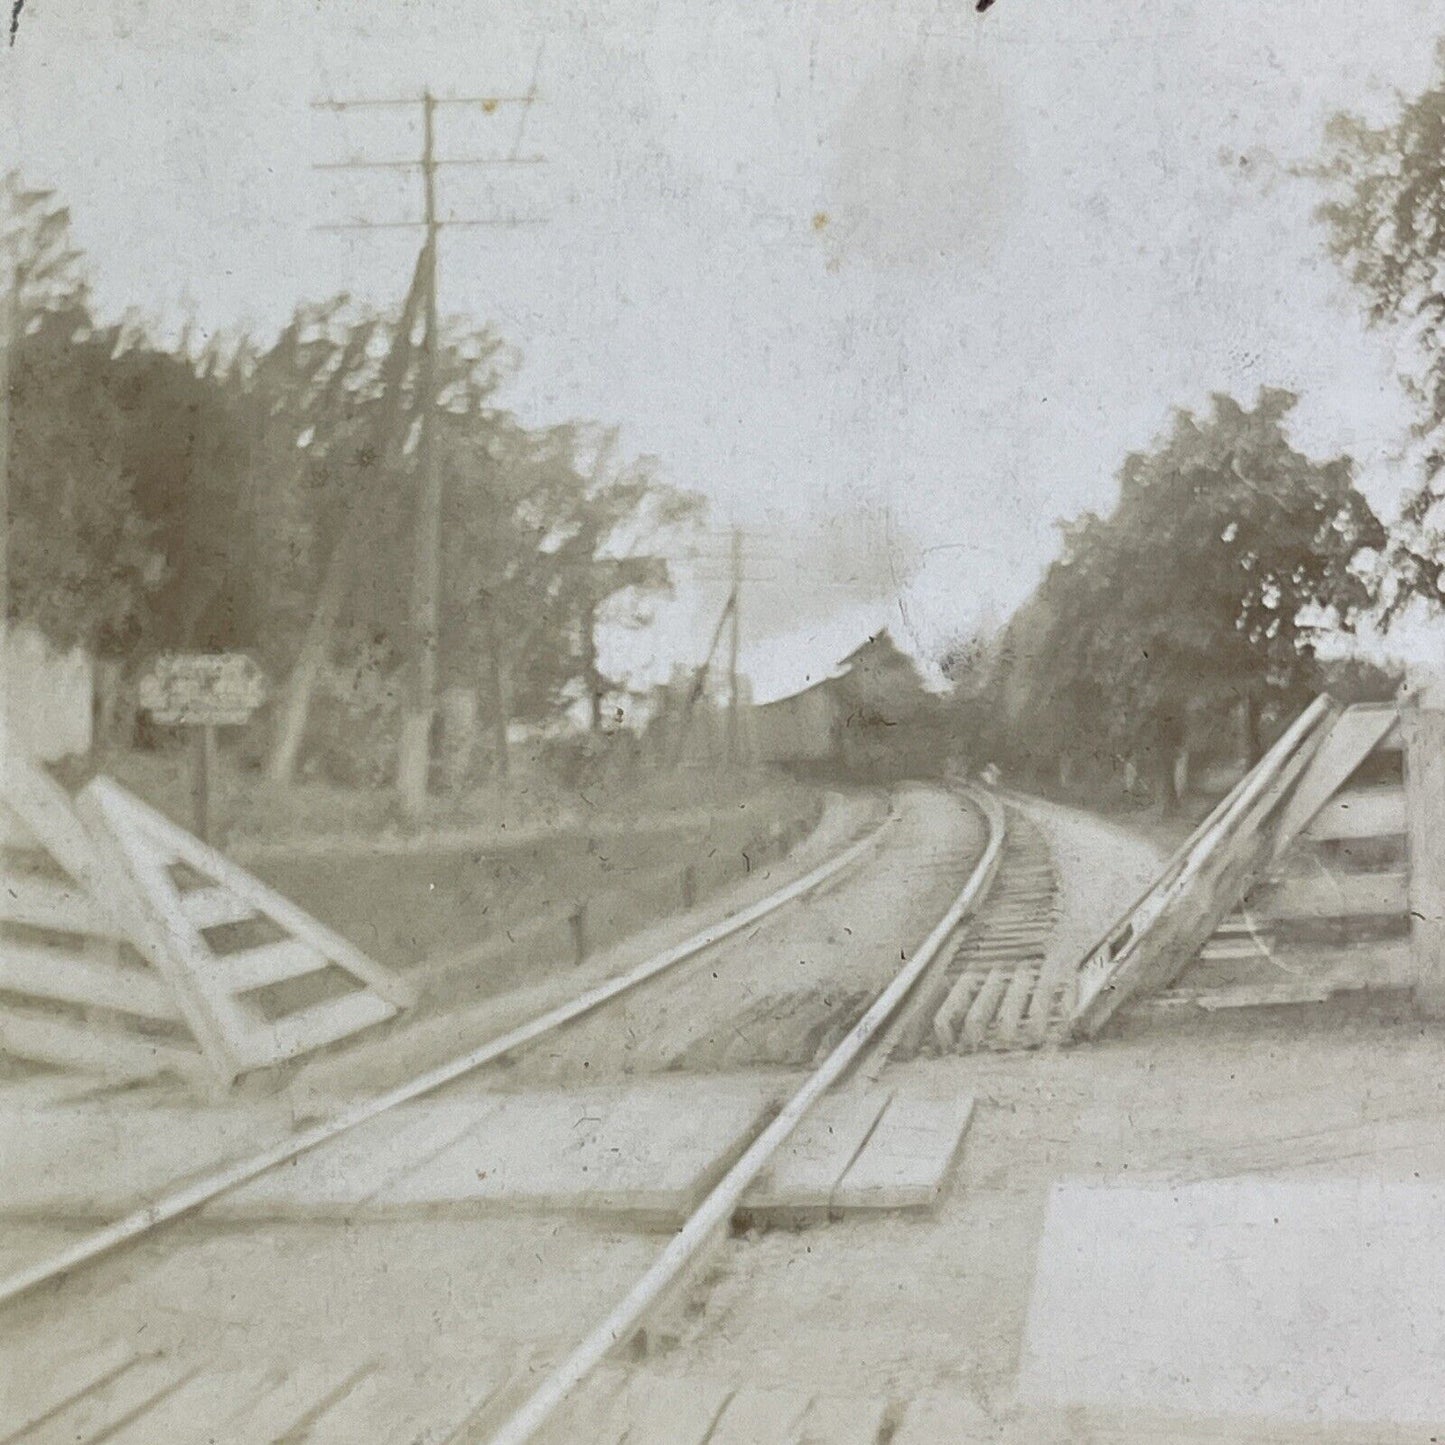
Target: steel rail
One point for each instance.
(190, 1197)
(717, 1209)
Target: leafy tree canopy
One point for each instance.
(1227, 556)
(81, 555)
(1385, 214)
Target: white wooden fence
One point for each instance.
(129, 948)
(1297, 887)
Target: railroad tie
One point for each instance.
(1011, 1010)
(954, 1009)
(985, 1004)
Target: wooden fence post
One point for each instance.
(578, 921)
(1422, 722)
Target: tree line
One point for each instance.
(239, 495)
(1202, 611)
(1191, 613)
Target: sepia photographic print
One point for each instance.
(722, 722)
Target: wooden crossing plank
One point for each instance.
(54, 973)
(908, 1156)
(112, 1404)
(27, 1400)
(394, 1406)
(196, 1413)
(650, 1147)
(806, 1170)
(75, 1046)
(351, 1170)
(760, 1417)
(1360, 813)
(103, 1158)
(658, 1409)
(841, 1420)
(268, 963)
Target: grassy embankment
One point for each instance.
(513, 874)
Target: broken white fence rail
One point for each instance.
(1163, 930)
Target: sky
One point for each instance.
(893, 284)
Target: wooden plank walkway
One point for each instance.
(867, 1149)
(116, 1394)
(649, 1405)
(647, 1147)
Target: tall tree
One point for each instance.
(1228, 555)
(1385, 215)
(350, 412)
(81, 557)
(546, 545)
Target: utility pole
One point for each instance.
(295, 701)
(592, 674)
(414, 747)
(9, 337)
(414, 758)
(734, 737)
(699, 684)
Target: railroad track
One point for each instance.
(999, 993)
(123, 1393)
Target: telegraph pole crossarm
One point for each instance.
(414, 747)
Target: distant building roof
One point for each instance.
(878, 649)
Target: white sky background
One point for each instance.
(1046, 227)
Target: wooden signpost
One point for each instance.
(204, 691)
